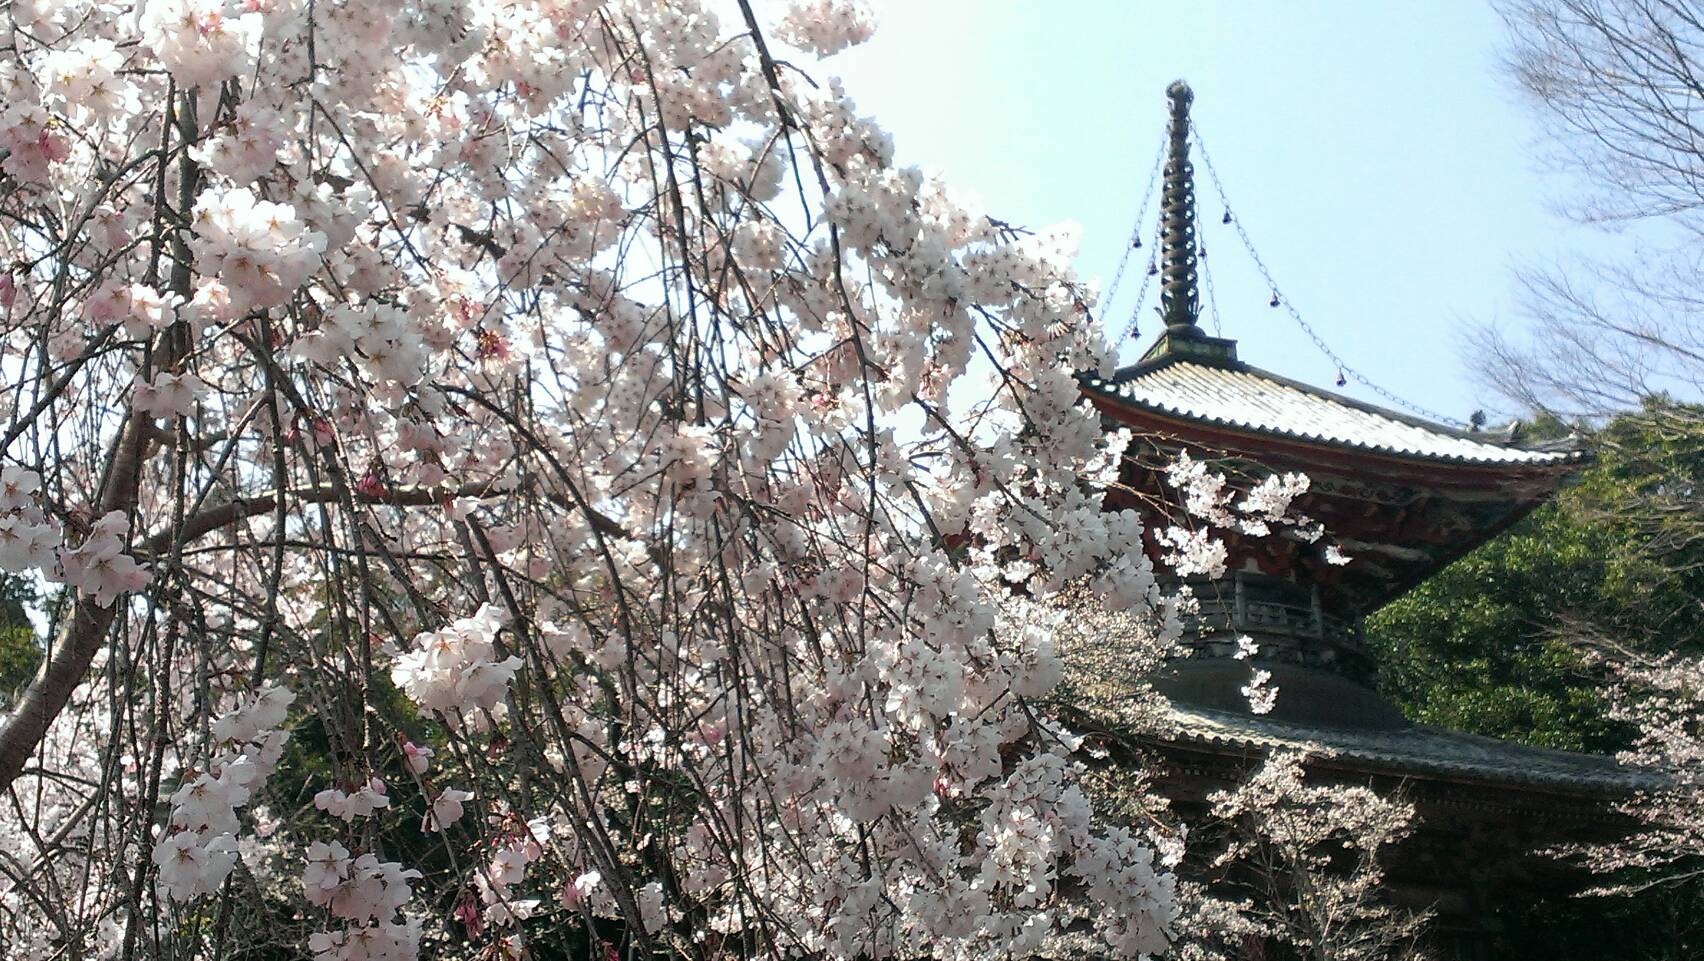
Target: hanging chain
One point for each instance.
(1279, 300)
(1136, 230)
(1212, 300)
(1131, 328)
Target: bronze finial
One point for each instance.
(1179, 301)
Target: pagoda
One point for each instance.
(1401, 497)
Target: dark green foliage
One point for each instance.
(1473, 648)
(1493, 643)
(20, 650)
(1661, 924)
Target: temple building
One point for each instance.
(1402, 498)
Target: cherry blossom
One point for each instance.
(167, 395)
(1312, 852)
(586, 389)
(1261, 694)
(368, 896)
(416, 757)
(27, 539)
(446, 809)
(99, 567)
(200, 849)
(201, 41)
(84, 76)
(1662, 699)
(457, 670)
(257, 249)
(349, 805)
(826, 27)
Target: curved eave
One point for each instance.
(1499, 459)
(1425, 751)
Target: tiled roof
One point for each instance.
(1419, 750)
(1244, 398)
(1108, 686)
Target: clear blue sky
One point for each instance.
(1377, 154)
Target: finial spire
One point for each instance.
(1180, 303)
(1180, 248)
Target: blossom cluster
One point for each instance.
(349, 805)
(259, 250)
(100, 566)
(27, 540)
(1253, 509)
(499, 879)
(606, 321)
(1662, 699)
(201, 41)
(1327, 842)
(456, 671)
(826, 27)
(368, 896)
(199, 849)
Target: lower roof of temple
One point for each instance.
(1107, 687)
(1416, 750)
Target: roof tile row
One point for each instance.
(1248, 399)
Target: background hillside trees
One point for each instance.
(1499, 643)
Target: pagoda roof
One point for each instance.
(1110, 687)
(1244, 399)
(1416, 749)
